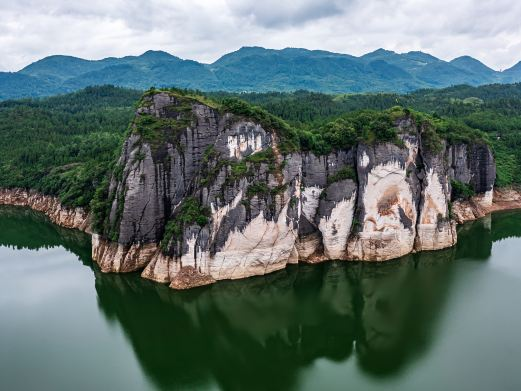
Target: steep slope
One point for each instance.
(203, 193)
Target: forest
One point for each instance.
(494, 110)
(66, 145)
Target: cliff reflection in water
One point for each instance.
(253, 330)
(243, 334)
(23, 228)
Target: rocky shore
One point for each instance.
(157, 266)
(76, 218)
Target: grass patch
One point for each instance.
(344, 173)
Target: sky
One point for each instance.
(203, 30)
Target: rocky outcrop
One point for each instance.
(435, 228)
(328, 192)
(117, 257)
(387, 204)
(483, 204)
(188, 277)
(76, 218)
(473, 164)
(200, 195)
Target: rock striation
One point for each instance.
(76, 218)
(200, 195)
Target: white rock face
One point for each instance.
(308, 246)
(435, 230)
(115, 257)
(364, 161)
(240, 143)
(387, 200)
(413, 148)
(486, 199)
(310, 199)
(161, 268)
(337, 227)
(263, 246)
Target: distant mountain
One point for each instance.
(513, 74)
(469, 64)
(255, 69)
(17, 85)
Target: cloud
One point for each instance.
(276, 13)
(204, 30)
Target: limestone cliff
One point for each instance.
(200, 195)
(76, 218)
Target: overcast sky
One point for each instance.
(203, 30)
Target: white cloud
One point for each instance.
(204, 30)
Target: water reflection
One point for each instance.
(23, 228)
(260, 333)
(247, 333)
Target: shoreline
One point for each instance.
(74, 218)
(80, 219)
(473, 209)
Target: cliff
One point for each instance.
(201, 194)
(76, 218)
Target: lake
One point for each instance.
(445, 320)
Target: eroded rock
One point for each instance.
(209, 196)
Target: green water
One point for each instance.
(447, 320)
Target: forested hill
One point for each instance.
(65, 145)
(306, 106)
(494, 109)
(255, 69)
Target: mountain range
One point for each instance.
(255, 69)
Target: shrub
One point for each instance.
(462, 191)
(344, 173)
(190, 212)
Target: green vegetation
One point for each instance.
(490, 113)
(190, 212)
(100, 206)
(258, 189)
(345, 173)
(261, 189)
(257, 69)
(366, 126)
(507, 166)
(157, 131)
(64, 145)
(212, 164)
(461, 190)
